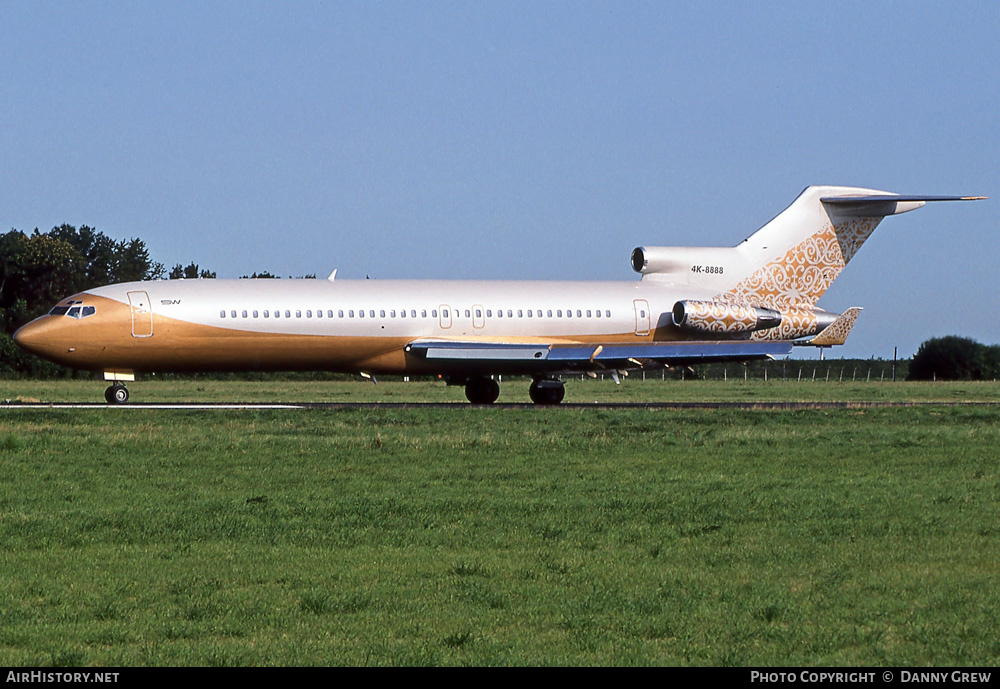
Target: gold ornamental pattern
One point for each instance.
(795, 323)
(715, 317)
(806, 271)
(837, 332)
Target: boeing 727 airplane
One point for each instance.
(751, 301)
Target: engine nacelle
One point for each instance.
(681, 261)
(713, 317)
(721, 317)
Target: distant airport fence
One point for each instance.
(829, 370)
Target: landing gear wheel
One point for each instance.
(116, 394)
(547, 391)
(482, 390)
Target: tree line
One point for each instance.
(955, 358)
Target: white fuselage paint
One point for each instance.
(298, 304)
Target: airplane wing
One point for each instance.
(555, 357)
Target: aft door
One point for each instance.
(642, 317)
(142, 315)
(478, 317)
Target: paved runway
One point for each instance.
(462, 405)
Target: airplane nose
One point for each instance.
(26, 336)
(34, 337)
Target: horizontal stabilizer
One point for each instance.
(836, 333)
(881, 205)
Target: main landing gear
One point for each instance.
(546, 391)
(542, 390)
(482, 390)
(116, 394)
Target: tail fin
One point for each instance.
(793, 259)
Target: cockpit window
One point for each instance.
(73, 309)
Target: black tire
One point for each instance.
(116, 394)
(547, 391)
(482, 391)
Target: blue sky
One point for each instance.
(512, 140)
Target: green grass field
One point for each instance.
(493, 537)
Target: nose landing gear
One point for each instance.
(116, 394)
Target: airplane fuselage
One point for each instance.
(342, 325)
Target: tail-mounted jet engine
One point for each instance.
(717, 318)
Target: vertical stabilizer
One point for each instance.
(793, 260)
